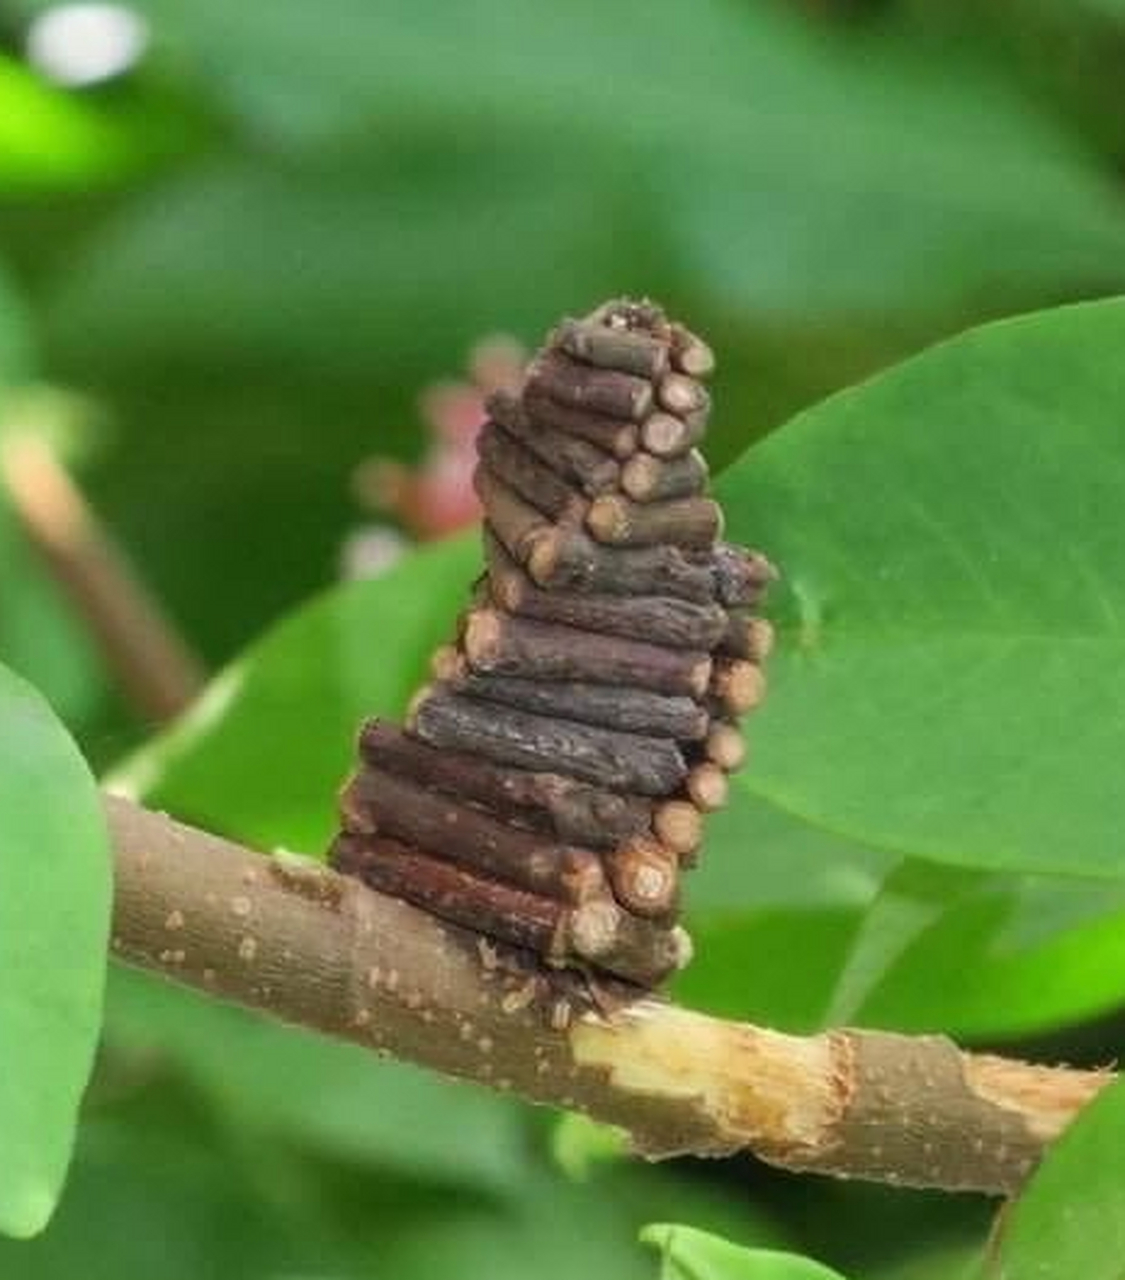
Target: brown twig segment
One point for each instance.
(624, 762)
(625, 350)
(499, 644)
(647, 478)
(454, 894)
(725, 746)
(747, 636)
(592, 694)
(631, 710)
(523, 473)
(593, 470)
(150, 660)
(738, 686)
(605, 391)
(294, 939)
(740, 576)
(684, 522)
(575, 811)
(667, 436)
(377, 803)
(664, 620)
(564, 559)
(616, 436)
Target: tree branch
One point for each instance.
(154, 666)
(298, 941)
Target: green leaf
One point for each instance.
(556, 1230)
(1070, 1221)
(688, 1254)
(15, 336)
(54, 925)
(321, 1095)
(263, 753)
(579, 1145)
(951, 677)
(912, 898)
(51, 139)
(1043, 951)
(785, 168)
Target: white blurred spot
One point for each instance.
(81, 44)
(371, 551)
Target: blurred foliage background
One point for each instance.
(235, 249)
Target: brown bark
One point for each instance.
(725, 746)
(566, 559)
(645, 878)
(605, 391)
(522, 918)
(154, 666)
(623, 762)
(681, 624)
(574, 811)
(736, 685)
(576, 460)
(647, 478)
(622, 349)
(617, 436)
(683, 396)
(631, 710)
(684, 522)
(669, 436)
(747, 637)
(690, 354)
(407, 810)
(740, 576)
(528, 477)
(517, 525)
(497, 643)
(311, 947)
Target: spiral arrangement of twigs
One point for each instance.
(551, 782)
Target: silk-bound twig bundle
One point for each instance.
(550, 784)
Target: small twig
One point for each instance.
(156, 669)
(322, 950)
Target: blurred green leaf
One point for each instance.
(54, 927)
(1043, 952)
(1070, 1220)
(272, 268)
(773, 965)
(296, 700)
(557, 1230)
(786, 168)
(579, 1145)
(911, 899)
(690, 1254)
(318, 1094)
(15, 335)
(950, 681)
(51, 139)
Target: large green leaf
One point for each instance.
(690, 1254)
(54, 924)
(951, 677)
(787, 168)
(1070, 1221)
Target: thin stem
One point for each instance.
(139, 644)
